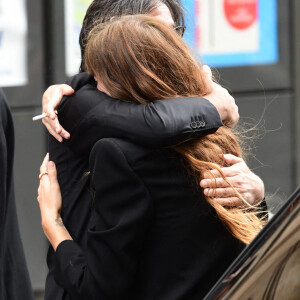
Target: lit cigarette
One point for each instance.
(42, 116)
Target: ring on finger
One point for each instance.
(42, 174)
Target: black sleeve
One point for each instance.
(90, 115)
(14, 278)
(122, 213)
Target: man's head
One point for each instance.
(170, 11)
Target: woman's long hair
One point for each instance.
(140, 59)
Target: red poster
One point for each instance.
(241, 14)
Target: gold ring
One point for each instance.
(42, 174)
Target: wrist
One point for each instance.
(55, 230)
(48, 217)
(260, 190)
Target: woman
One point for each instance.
(153, 234)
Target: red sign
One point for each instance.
(241, 14)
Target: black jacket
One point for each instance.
(14, 277)
(90, 115)
(152, 234)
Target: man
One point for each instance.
(90, 115)
(14, 277)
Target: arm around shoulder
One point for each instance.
(157, 124)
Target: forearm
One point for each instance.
(161, 123)
(54, 229)
(160, 120)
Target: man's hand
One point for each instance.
(51, 99)
(222, 100)
(249, 185)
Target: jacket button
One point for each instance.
(202, 124)
(194, 125)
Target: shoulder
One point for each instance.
(76, 107)
(112, 148)
(113, 167)
(118, 155)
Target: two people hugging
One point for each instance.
(137, 202)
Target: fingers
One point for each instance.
(54, 93)
(216, 174)
(51, 99)
(220, 192)
(222, 100)
(53, 96)
(49, 110)
(44, 165)
(208, 79)
(230, 202)
(233, 115)
(232, 159)
(49, 180)
(39, 192)
(230, 115)
(64, 133)
(52, 132)
(207, 72)
(66, 90)
(53, 123)
(237, 167)
(228, 172)
(216, 183)
(55, 129)
(52, 173)
(43, 169)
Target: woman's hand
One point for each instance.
(49, 195)
(50, 201)
(51, 99)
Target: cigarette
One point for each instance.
(42, 116)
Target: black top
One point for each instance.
(14, 277)
(90, 115)
(152, 234)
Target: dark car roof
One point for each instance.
(269, 268)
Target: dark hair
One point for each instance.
(101, 11)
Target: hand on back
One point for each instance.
(51, 99)
(249, 185)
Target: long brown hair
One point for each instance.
(140, 59)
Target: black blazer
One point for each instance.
(152, 234)
(90, 115)
(14, 277)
